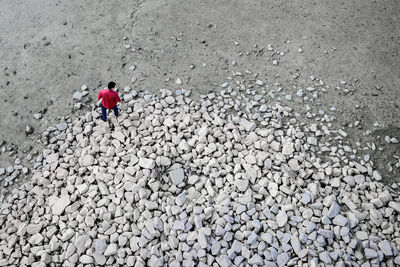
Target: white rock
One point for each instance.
(111, 250)
(312, 141)
(180, 199)
(88, 160)
(282, 259)
(395, 206)
(119, 136)
(333, 210)
(179, 81)
(60, 204)
(61, 126)
(256, 259)
(50, 159)
(127, 89)
(370, 253)
(177, 176)
(128, 97)
(248, 125)
(259, 83)
(170, 100)
(281, 218)
(287, 149)
(85, 259)
(225, 84)
(36, 239)
(202, 239)
(340, 220)
(386, 248)
(242, 184)
(147, 163)
(37, 116)
(325, 258)
(77, 96)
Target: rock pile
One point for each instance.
(183, 183)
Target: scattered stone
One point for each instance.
(28, 129)
(262, 188)
(370, 253)
(60, 204)
(111, 250)
(147, 163)
(281, 218)
(37, 116)
(179, 81)
(87, 160)
(77, 96)
(177, 176)
(260, 83)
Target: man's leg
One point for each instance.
(103, 113)
(115, 111)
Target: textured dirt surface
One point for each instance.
(48, 49)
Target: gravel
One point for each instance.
(179, 183)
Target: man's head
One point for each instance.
(111, 85)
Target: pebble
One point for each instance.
(111, 250)
(259, 83)
(281, 218)
(179, 81)
(312, 141)
(10, 169)
(60, 205)
(127, 89)
(241, 184)
(287, 149)
(28, 129)
(334, 210)
(147, 163)
(61, 126)
(88, 160)
(180, 199)
(370, 253)
(177, 176)
(77, 96)
(37, 116)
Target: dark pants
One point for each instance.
(104, 112)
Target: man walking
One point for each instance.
(109, 100)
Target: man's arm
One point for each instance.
(99, 96)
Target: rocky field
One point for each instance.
(177, 182)
(234, 146)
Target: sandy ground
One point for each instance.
(48, 49)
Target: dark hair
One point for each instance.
(111, 85)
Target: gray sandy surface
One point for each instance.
(48, 49)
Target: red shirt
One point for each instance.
(109, 98)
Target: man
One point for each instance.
(109, 100)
